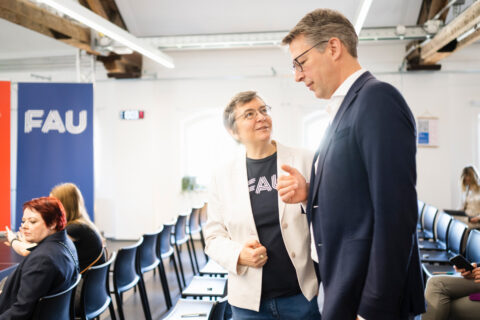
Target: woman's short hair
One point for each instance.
(239, 99)
(51, 210)
(323, 24)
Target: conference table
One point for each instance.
(9, 259)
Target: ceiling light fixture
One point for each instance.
(94, 21)
(362, 15)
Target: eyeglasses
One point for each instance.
(252, 113)
(297, 66)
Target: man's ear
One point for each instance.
(336, 48)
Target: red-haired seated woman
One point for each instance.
(51, 266)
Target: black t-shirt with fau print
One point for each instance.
(279, 277)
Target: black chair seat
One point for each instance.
(436, 256)
(213, 269)
(437, 269)
(212, 288)
(431, 245)
(189, 307)
(127, 286)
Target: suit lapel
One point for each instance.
(349, 98)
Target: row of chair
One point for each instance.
(442, 237)
(129, 266)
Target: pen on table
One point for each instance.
(192, 315)
(443, 272)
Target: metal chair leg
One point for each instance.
(194, 254)
(191, 258)
(180, 264)
(144, 298)
(118, 298)
(202, 239)
(163, 278)
(172, 259)
(112, 311)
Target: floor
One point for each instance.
(132, 305)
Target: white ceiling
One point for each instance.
(152, 18)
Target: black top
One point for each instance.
(279, 278)
(48, 269)
(88, 243)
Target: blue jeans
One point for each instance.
(283, 308)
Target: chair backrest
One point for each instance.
(147, 252)
(443, 222)
(456, 231)
(473, 246)
(124, 270)
(194, 226)
(95, 294)
(203, 214)
(56, 306)
(218, 312)
(421, 206)
(164, 245)
(429, 215)
(180, 229)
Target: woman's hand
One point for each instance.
(10, 236)
(253, 255)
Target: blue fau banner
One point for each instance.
(55, 140)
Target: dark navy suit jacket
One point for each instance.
(48, 269)
(363, 206)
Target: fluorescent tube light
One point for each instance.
(362, 15)
(94, 21)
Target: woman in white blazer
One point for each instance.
(262, 242)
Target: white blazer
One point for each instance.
(230, 224)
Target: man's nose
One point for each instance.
(298, 75)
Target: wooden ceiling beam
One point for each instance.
(107, 9)
(465, 21)
(437, 56)
(32, 17)
(430, 8)
(118, 66)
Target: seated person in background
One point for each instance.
(52, 265)
(470, 196)
(451, 297)
(80, 228)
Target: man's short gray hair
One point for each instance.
(239, 99)
(323, 24)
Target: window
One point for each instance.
(314, 127)
(206, 144)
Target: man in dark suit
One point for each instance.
(362, 201)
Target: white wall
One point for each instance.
(138, 163)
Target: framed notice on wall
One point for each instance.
(427, 132)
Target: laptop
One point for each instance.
(455, 212)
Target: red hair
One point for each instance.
(51, 210)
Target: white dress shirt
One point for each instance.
(337, 97)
